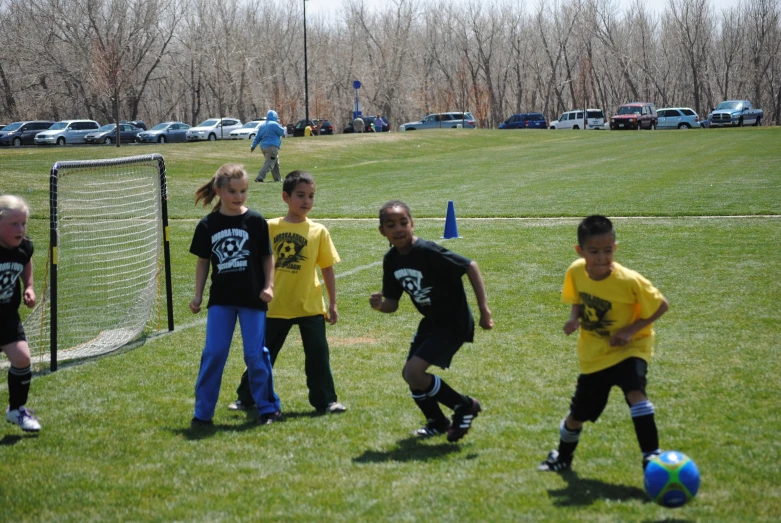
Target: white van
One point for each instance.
(574, 120)
(66, 131)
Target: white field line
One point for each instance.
(202, 321)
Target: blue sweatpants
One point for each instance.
(220, 324)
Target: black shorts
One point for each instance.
(436, 348)
(11, 330)
(593, 390)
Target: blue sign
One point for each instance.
(356, 84)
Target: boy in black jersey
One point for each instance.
(431, 275)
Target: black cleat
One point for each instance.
(554, 464)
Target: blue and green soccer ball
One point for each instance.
(672, 479)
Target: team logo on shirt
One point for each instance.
(287, 248)
(228, 246)
(593, 316)
(410, 281)
(9, 273)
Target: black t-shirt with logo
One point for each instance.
(432, 276)
(234, 244)
(12, 263)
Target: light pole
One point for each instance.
(306, 75)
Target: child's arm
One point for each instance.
(27, 282)
(378, 302)
(624, 336)
(201, 272)
(476, 279)
(330, 286)
(267, 294)
(573, 322)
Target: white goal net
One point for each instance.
(108, 277)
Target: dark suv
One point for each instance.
(635, 115)
(320, 125)
(525, 121)
(22, 133)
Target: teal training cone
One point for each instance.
(451, 228)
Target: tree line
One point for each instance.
(189, 60)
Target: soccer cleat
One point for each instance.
(259, 179)
(198, 423)
(237, 405)
(24, 418)
(335, 408)
(462, 419)
(268, 419)
(649, 458)
(432, 429)
(553, 464)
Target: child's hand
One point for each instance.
(333, 315)
(622, 337)
(375, 300)
(571, 326)
(486, 322)
(195, 305)
(266, 295)
(29, 297)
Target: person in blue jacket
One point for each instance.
(270, 139)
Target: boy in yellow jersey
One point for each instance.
(615, 308)
(300, 246)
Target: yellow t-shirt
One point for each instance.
(298, 249)
(608, 306)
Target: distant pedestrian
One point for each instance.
(270, 139)
(378, 124)
(358, 124)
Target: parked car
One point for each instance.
(635, 115)
(367, 125)
(525, 121)
(449, 120)
(138, 123)
(22, 133)
(595, 119)
(66, 131)
(248, 130)
(677, 118)
(213, 129)
(164, 132)
(320, 125)
(108, 134)
(735, 112)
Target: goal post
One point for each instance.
(109, 255)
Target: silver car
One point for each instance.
(248, 130)
(66, 131)
(450, 120)
(213, 129)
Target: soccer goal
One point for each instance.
(108, 277)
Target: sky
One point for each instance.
(331, 8)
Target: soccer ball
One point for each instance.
(672, 479)
(287, 250)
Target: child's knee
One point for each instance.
(633, 397)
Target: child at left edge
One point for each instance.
(432, 276)
(234, 242)
(16, 267)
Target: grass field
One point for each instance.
(697, 212)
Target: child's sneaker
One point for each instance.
(198, 423)
(335, 408)
(649, 458)
(268, 419)
(462, 419)
(24, 418)
(553, 464)
(432, 429)
(238, 405)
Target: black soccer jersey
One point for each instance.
(432, 276)
(12, 263)
(234, 244)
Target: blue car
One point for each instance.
(525, 121)
(164, 132)
(677, 118)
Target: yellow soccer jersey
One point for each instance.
(298, 249)
(608, 306)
